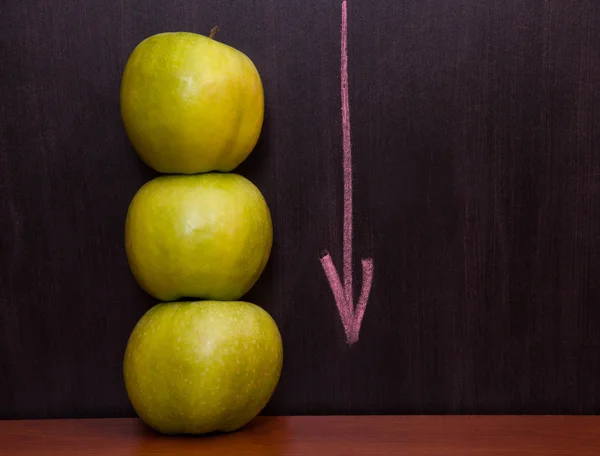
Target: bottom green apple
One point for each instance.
(199, 367)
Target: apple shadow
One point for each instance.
(255, 425)
(255, 163)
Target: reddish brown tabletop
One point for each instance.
(334, 435)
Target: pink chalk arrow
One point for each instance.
(343, 293)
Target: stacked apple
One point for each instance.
(197, 239)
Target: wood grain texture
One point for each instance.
(476, 151)
(299, 436)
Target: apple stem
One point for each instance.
(213, 32)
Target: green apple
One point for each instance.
(191, 104)
(199, 367)
(205, 236)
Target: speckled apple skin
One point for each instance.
(191, 104)
(200, 367)
(206, 236)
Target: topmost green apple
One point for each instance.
(191, 104)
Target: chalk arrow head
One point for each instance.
(350, 316)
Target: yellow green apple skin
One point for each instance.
(191, 104)
(199, 367)
(205, 236)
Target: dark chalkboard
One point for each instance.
(475, 129)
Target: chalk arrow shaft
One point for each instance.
(347, 160)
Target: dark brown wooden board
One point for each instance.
(475, 129)
(317, 435)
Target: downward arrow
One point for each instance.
(343, 293)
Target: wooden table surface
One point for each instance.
(328, 435)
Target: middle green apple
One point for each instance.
(206, 236)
